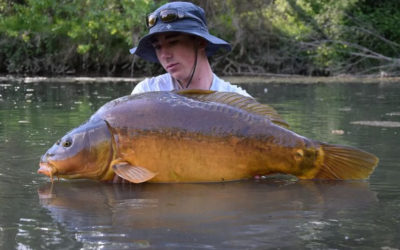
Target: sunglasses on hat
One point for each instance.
(167, 16)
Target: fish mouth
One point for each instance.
(47, 169)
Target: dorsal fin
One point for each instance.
(235, 100)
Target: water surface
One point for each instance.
(277, 212)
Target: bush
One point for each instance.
(61, 37)
(310, 37)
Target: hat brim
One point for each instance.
(146, 51)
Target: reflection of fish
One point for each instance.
(266, 214)
(152, 206)
(195, 136)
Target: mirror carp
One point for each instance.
(195, 136)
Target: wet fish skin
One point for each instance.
(195, 136)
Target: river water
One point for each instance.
(275, 212)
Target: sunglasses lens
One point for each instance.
(168, 15)
(151, 20)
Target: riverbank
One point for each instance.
(233, 79)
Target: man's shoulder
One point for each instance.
(156, 83)
(162, 77)
(160, 80)
(224, 86)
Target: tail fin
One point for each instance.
(345, 163)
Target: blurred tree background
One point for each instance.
(305, 37)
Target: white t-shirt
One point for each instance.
(165, 82)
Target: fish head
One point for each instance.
(84, 152)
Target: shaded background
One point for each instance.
(306, 37)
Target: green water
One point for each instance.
(254, 214)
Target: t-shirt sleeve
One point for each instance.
(141, 87)
(239, 90)
(224, 86)
(158, 83)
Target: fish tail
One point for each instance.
(345, 163)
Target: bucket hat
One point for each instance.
(181, 17)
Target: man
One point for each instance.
(179, 40)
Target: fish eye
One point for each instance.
(67, 143)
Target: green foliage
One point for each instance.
(45, 36)
(313, 37)
(372, 25)
(283, 16)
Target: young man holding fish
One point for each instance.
(192, 136)
(179, 40)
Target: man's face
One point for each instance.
(176, 53)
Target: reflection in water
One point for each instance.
(234, 214)
(387, 124)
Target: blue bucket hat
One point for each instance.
(182, 17)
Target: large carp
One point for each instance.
(195, 136)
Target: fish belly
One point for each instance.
(195, 158)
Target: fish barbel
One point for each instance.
(195, 136)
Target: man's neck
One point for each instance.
(203, 76)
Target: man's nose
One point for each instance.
(165, 53)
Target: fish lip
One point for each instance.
(46, 169)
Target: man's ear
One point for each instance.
(201, 43)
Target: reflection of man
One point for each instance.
(179, 40)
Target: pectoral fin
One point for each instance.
(132, 173)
